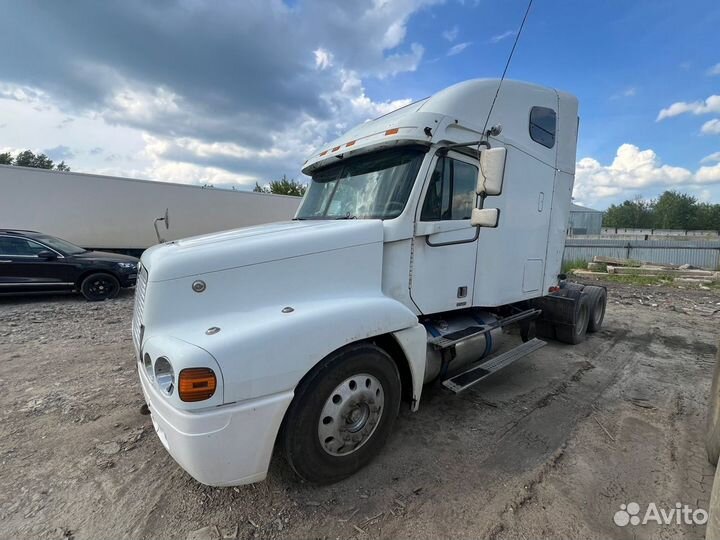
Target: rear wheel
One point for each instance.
(712, 431)
(575, 333)
(598, 302)
(712, 447)
(100, 286)
(342, 414)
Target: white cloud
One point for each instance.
(710, 105)
(630, 91)
(189, 173)
(138, 106)
(711, 127)
(250, 107)
(323, 59)
(633, 170)
(24, 94)
(714, 70)
(708, 175)
(402, 62)
(451, 34)
(499, 37)
(205, 162)
(715, 156)
(457, 49)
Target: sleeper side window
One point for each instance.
(451, 193)
(542, 126)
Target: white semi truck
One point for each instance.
(424, 235)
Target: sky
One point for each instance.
(232, 92)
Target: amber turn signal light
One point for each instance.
(196, 384)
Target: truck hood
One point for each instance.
(254, 245)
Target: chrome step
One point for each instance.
(450, 340)
(463, 381)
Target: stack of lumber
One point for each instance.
(685, 273)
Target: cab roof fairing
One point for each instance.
(456, 115)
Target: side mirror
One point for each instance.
(47, 254)
(485, 217)
(492, 171)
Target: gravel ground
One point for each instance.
(549, 447)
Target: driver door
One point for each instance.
(442, 274)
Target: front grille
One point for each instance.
(137, 321)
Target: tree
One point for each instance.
(672, 210)
(707, 217)
(636, 214)
(284, 186)
(28, 158)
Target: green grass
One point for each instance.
(575, 264)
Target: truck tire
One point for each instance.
(100, 286)
(342, 414)
(575, 333)
(598, 302)
(712, 529)
(712, 432)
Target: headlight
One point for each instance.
(164, 375)
(127, 265)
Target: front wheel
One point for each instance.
(342, 414)
(100, 286)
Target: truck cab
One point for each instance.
(423, 234)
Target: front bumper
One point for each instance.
(128, 280)
(223, 446)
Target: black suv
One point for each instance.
(33, 261)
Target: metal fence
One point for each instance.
(609, 231)
(704, 254)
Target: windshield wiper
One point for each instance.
(346, 216)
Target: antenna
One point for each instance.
(507, 64)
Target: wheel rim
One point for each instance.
(101, 287)
(351, 414)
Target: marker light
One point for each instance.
(196, 384)
(392, 131)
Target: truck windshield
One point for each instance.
(370, 186)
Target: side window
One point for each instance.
(542, 126)
(451, 193)
(19, 246)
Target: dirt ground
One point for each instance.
(549, 447)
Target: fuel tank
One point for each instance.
(471, 350)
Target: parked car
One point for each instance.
(31, 261)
